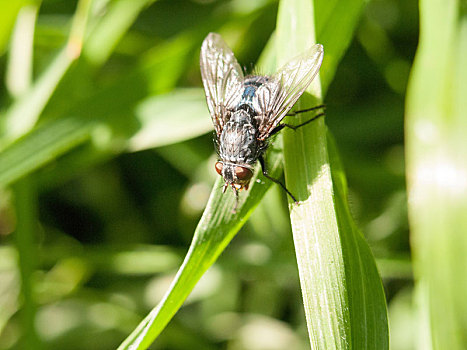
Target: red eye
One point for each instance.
(243, 173)
(219, 167)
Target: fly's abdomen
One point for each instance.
(237, 143)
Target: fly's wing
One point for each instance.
(274, 99)
(222, 79)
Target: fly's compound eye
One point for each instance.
(243, 173)
(219, 167)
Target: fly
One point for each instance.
(247, 111)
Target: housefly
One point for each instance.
(247, 111)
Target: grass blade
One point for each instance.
(19, 70)
(23, 115)
(41, 146)
(365, 294)
(187, 108)
(215, 230)
(308, 176)
(344, 302)
(437, 171)
(25, 112)
(112, 27)
(26, 212)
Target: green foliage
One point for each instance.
(436, 173)
(106, 170)
(335, 269)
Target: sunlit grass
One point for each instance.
(107, 164)
(437, 172)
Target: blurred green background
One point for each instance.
(118, 201)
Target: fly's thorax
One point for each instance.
(250, 86)
(237, 142)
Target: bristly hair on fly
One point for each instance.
(247, 110)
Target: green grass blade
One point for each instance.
(436, 156)
(308, 177)
(41, 146)
(187, 109)
(25, 112)
(23, 115)
(215, 230)
(19, 68)
(26, 229)
(344, 304)
(118, 19)
(365, 294)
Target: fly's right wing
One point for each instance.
(276, 97)
(222, 79)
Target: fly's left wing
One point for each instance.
(274, 99)
(222, 79)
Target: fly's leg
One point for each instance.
(295, 127)
(267, 176)
(294, 113)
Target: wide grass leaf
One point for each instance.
(365, 294)
(187, 109)
(342, 292)
(436, 126)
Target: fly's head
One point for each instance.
(235, 176)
